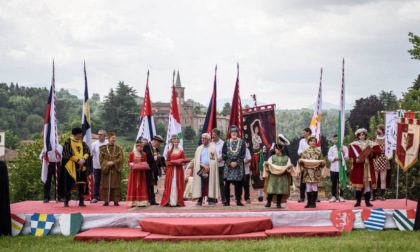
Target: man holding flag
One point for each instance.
(336, 159)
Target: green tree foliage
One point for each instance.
(12, 141)
(119, 110)
(161, 130)
(415, 40)
(364, 109)
(25, 173)
(226, 109)
(389, 100)
(189, 133)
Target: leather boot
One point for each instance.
(278, 200)
(314, 199)
(66, 201)
(382, 195)
(373, 195)
(367, 199)
(309, 199)
(358, 198)
(81, 196)
(269, 199)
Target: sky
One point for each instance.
(280, 46)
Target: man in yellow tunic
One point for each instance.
(73, 169)
(111, 157)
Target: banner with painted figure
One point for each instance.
(391, 119)
(408, 142)
(259, 134)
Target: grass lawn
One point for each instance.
(359, 240)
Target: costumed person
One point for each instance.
(155, 161)
(111, 157)
(73, 169)
(188, 177)
(205, 173)
(137, 188)
(362, 175)
(53, 158)
(310, 165)
(245, 182)
(97, 165)
(277, 174)
(174, 177)
(335, 160)
(259, 145)
(5, 220)
(218, 144)
(382, 165)
(234, 150)
(303, 145)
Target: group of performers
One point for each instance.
(217, 165)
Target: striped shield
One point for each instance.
(374, 219)
(18, 220)
(70, 224)
(41, 224)
(404, 219)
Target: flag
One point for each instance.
(210, 122)
(174, 124)
(50, 129)
(317, 117)
(236, 117)
(391, 119)
(87, 135)
(408, 141)
(147, 125)
(340, 135)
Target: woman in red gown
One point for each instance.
(137, 187)
(174, 179)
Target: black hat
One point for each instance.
(234, 128)
(158, 138)
(76, 131)
(279, 146)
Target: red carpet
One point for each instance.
(303, 231)
(247, 236)
(205, 226)
(111, 234)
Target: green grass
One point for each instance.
(359, 240)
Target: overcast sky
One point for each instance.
(280, 46)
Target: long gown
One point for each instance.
(137, 187)
(174, 182)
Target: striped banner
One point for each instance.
(18, 221)
(41, 224)
(374, 219)
(404, 219)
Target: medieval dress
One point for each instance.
(137, 187)
(174, 181)
(72, 175)
(363, 172)
(311, 170)
(277, 178)
(111, 174)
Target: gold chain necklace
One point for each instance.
(237, 146)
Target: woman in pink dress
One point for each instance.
(137, 187)
(174, 180)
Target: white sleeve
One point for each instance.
(331, 154)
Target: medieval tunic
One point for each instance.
(71, 173)
(174, 181)
(137, 187)
(277, 178)
(311, 174)
(363, 172)
(111, 174)
(234, 151)
(381, 162)
(213, 189)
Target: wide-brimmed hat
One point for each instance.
(279, 146)
(76, 131)
(361, 130)
(283, 140)
(158, 138)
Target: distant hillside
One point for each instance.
(328, 106)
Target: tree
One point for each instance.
(364, 109)
(12, 141)
(416, 83)
(161, 130)
(415, 40)
(226, 109)
(389, 100)
(189, 133)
